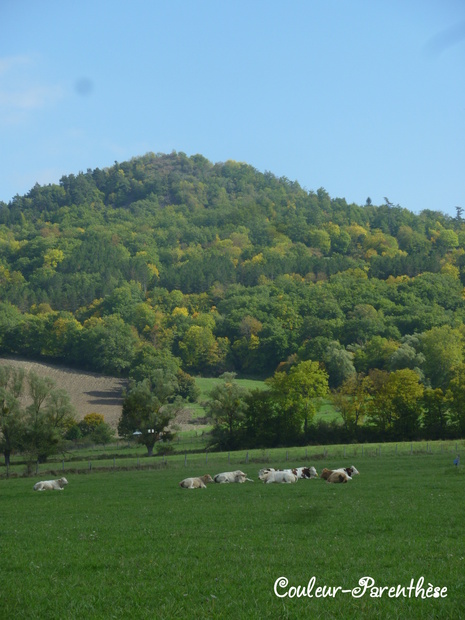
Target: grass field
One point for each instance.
(206, 384)
(132, 544)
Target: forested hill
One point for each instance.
(173, 260)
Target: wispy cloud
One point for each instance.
(22, 89)
(12, 62)
(31, 98)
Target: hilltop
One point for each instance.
(174, 261)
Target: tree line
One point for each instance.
(381, 406)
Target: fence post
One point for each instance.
(185, 459)
(63, 464)
(247, 457)
(114, 462)
(287, 455)
(411, 448)
(306, 450)
(37, 467)
(229, 457)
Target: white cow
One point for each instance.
(196, 483)
(278, 477)
(350, 471)
(304, 473)
(231, 476)
(51, 485)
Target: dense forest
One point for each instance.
(172, 261)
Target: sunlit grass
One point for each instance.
(135, 545)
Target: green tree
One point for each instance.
(47, 419)
(442, 348)
(352, 400)
(262, 422)
(108, 345)
(11, 413)
(149, 408)
(296, 392)
(396, 404)
(435, 414)
(227, 405)
(338, 364)
(102, 434)
(456, 399)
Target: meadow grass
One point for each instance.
(133, 544)
(206, 384)
(324, 408)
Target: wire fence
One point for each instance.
(100, 461)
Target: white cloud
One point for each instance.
(21, 88)
(31, 98)
(12, 62)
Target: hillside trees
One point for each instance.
(171, 261)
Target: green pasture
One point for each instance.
(133, 544)
(206, 384)
(325, 409)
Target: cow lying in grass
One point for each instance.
(278, 477)
(350, 471)
(196, 483)
(305, 473)
(331, 475)
(231, 476)
(51, 485)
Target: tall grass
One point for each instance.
(134, 545)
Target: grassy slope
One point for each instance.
(133, 544)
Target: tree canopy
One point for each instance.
(173, 263)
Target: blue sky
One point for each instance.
(361, 97)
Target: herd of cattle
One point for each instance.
(267, 475)
(270, 475)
